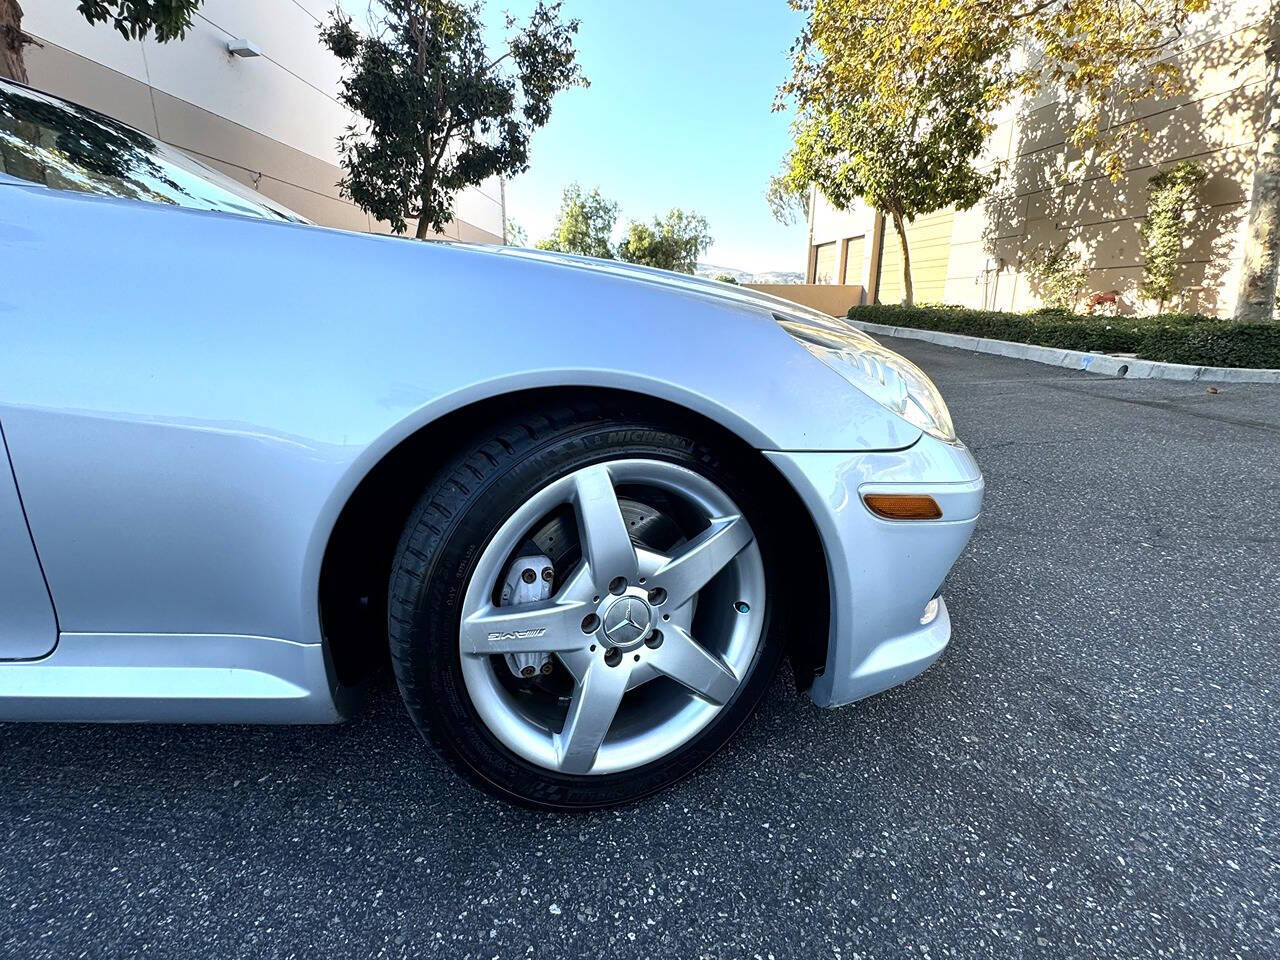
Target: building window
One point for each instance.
(57, 144)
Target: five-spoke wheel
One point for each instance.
(621, 618)
(603, 588)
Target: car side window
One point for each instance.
(51, 142)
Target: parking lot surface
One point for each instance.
(1091, 770)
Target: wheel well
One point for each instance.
(357, 561)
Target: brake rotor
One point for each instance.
(557, 539)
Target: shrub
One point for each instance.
(1169, 337)
(1214, 345)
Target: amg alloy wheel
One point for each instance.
(580, 611)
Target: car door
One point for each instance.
(28, 628)
(52, 146)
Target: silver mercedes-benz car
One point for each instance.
(586, 509)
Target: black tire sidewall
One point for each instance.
(427, 658)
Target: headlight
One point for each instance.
(892, 381)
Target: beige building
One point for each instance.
(270, 120)
(978, 257)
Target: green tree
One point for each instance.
(1171, 195)
(673, 242)
(1104, 54)
(134, 19)
(437, 111)
(903, 164)
(726, 278)
(585, 225)
(894, 97)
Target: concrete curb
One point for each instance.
(1102, 363)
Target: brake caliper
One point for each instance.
(529, 579)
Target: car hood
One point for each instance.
(685, 283)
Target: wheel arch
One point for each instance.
(360, 546)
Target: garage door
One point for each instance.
(929, 238)
(825, 264)
(853, 259)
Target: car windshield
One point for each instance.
(49, 141)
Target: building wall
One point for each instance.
(1217, 122)
(929, 245)
(271, 122)
(832, 298)
(848, 238)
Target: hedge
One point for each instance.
(1168, 337)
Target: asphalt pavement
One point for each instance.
(1091, 770)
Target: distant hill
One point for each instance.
(745, 276)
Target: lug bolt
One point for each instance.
(613, 656)
(590, 623)
(528, 671)
(657, 597)
(654, 640)
(617, 584)
(528, 576)
(546, 669)
(548, 574)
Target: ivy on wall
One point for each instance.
(1058, 275)
(1170, 196)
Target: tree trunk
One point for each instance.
(12, 40)
(1256, 298)
(424, 211)
(908, 295)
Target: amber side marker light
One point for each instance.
(903, 506)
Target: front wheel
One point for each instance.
(580, 608)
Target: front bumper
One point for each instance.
(884, 572)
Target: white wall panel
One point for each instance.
(290, 36)
(254, 92)
(289, 94)
(60, 23)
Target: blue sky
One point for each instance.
(677, 115)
